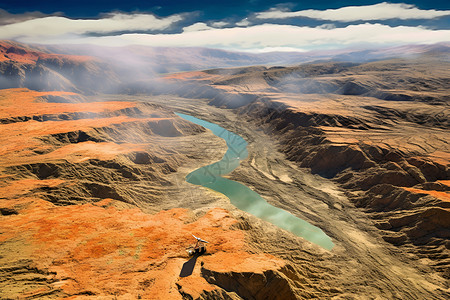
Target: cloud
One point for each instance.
(327, 26)
(8, 18)
(219, 24)
(272, 36)
(380, 11)
(58, 26)
(244, 22)
(197, 27)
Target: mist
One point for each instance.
(90, 70)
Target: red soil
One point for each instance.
(444, 196)
(23, 102)
(446, 182)
(23, 186)
(10, 51)
(195, 75)
(18, 141)
(106, 251)
(100, 249)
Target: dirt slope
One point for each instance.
(93, 201)
(84, 211)
(362, 265)
(35, 68)
(378, 129)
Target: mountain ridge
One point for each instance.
(97, 69)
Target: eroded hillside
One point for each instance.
(379, 129)
(90, 207)
(94, 202)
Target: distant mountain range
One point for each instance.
(95, 69)
(167, 60)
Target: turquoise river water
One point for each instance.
(241, 196)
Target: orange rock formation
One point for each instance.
(100, 249)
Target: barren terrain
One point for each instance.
(94, 204)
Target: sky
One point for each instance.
(255, 25)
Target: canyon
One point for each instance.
(94, 201)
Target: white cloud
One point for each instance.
(219, 24)
(244, 22)
(56, 26)
(380, 11)
(272, 36)
(197, 27)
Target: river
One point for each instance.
(241, 196)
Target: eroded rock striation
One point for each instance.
(379, 129)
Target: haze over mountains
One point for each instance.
(96, 69)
